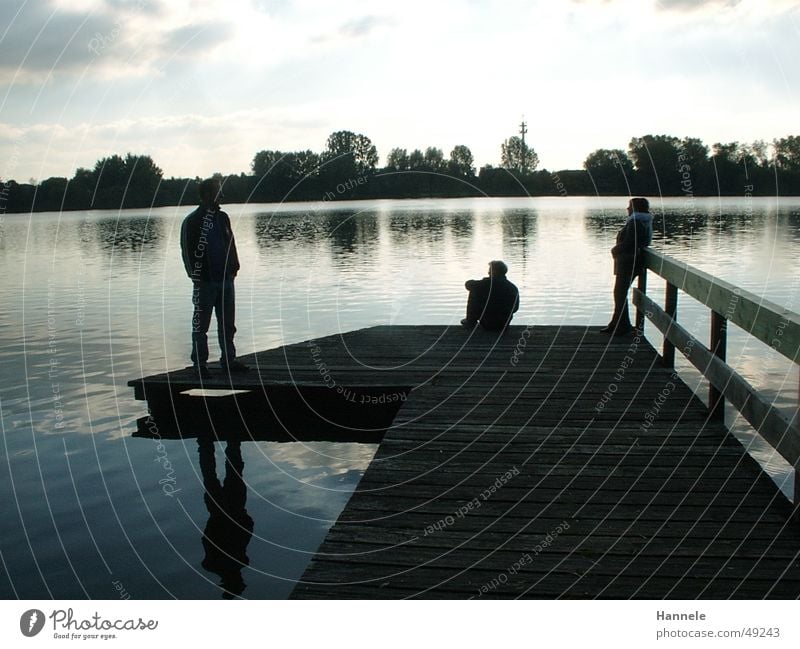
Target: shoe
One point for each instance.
(469, 324)
(202, 371)
(608, 329)
(235, 366)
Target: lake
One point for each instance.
(94, 299)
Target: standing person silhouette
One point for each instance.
(493, 300)
(211, 261)
(632, 239)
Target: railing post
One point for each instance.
(796, 501)
(671, 309)
(643, 288)
(719, 340)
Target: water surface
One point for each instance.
(94, 299)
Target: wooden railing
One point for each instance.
(770, 323)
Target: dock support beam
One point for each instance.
(719, 343)
(671, 309)
(643, 288)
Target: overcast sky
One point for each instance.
(201, 86)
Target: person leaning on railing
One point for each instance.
(632, 239)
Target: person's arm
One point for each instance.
(185, 247)
(516, 300)
(626, 240)
(231, 245)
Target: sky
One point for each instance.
(202, 86)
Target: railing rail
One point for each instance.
(770, 323)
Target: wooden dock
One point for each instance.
(578, 468)
(550, 462)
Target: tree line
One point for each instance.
(347, 168)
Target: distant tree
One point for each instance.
(693, 166)
(518, 156)
(726, 158)
(348, 151)
(461, 161)
(265, 161)
(693, 152)
(655, 159)
(730, 152)
(289, 166)
(787, 153)
(654, 151)
(144, 177)
(735, 165)
(398, 160)
(434, 158)
(81, 189)
(611, 171)
(125, 182)
(303, 164)
(51, 194)
(416, 159)
(759, 153)
(110, 172)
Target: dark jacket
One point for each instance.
(634, 237)
(494, 301)
(194, 245)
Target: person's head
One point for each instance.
(210, 191)
(497, 268)
(638, 204)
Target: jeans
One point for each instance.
(622, 283)
(220, 297)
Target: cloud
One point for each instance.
(110, 38)
(272, 7)
(693, 5)
(196, 38)
(353, 29)
(182, 145)
(40, 39)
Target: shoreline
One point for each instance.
(361, 199)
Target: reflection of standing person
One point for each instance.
(632, 239)
(493, 300)
(229, 528)
(209, 256)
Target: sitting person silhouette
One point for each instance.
(492, 300)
